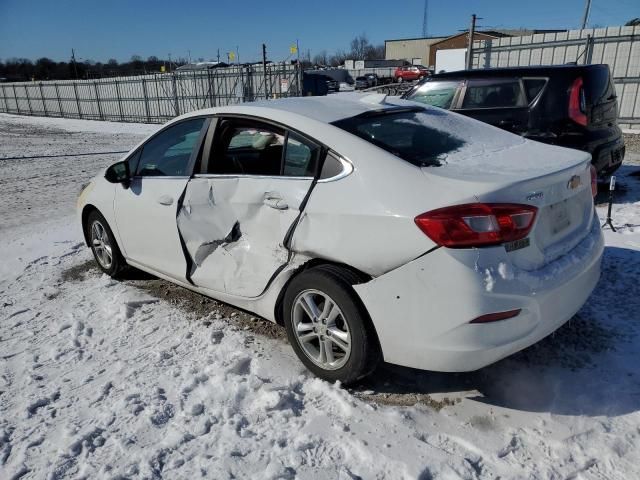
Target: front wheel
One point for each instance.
(327, 325)
(103, 245)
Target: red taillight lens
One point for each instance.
(577, 103)
(594, 180)
(495, 317)
(477, 224)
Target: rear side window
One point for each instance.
(532, 87)
(405, 134)
(437, 94)
(301, 157)
(493, 94)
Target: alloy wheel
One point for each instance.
(101, 245)
(321, 329)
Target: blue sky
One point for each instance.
(103, 29)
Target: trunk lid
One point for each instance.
(555, 180)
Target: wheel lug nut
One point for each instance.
(321, 337)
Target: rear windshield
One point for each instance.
(437, 94)
(405, 134)
(429, 137)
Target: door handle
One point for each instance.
(274, 200)
(165, 200)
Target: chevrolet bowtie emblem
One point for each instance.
(574, 183)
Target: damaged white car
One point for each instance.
(371, 228)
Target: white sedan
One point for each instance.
(371, 228)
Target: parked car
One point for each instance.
(372, 78)
(371, 229)
(314, 85)
(571, 106)
(345, 81)
(409, 73)
(362, 82)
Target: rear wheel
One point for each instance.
(327, 325)
(400, 79)
(103, 245)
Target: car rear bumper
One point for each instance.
(421, 311)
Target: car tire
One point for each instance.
(400, 79)
(104, 246)
(348, 326)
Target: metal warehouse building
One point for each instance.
(423, 50)
(410, 49)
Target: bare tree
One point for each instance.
(321, 58)
(359, 47)
(338, 58)
(374, 52)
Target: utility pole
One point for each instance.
(189, 54)
(472, 29)
(73, 60)
(264, 70)
(218, 55)
(424, 19)
(585, 17)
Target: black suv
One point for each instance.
(572, 106)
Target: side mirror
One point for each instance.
(118, 173)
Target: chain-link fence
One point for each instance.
(150, 98)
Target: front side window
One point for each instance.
(437, 94)
(247, 148)
(168, 153)
(493, 94)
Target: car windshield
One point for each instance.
(437, 94)
(407, 134)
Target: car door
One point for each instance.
(239, 212)
(146, 211)
(500, 102)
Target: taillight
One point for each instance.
(477, 224)
(496, 317)
(594, 180)
(577, 103)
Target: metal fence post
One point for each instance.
(59, 101)
(75, 92)
(15, 96)
(26, 93)
(4, 99)
(44, 103)
(175, 94)
(95, 87)
(146, 99)
(120, 99)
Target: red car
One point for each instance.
(410, 73)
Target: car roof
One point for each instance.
(326, 109)
(510, 71)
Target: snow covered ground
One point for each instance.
(106, 379)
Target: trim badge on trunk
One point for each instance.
(574, 182)
(535, 196)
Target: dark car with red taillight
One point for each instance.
(571, 106)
